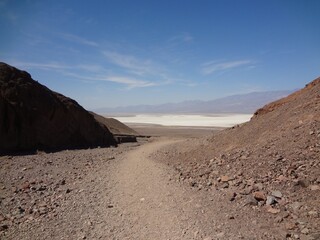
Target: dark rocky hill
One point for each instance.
(34, 117)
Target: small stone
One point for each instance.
(232, 196)
(305, 231)
(314, 187)
(251, 201)
(282, 178)
(276, 194)
(21, 210)
(290, 226)
(247, 191)
(279, 219)
(110, 206)
(3, 227)
(62, 182)
(303, 183)
(220, 235)
(68, 190)
(271, 200)
(296, 206)
(258, 186)
(142, 199)
(272, 210)
(41, 188)
(224, 178)
(225, 185)
(313, 213)
(260, 196)
(25, 186)
(43, 210)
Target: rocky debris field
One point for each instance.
(51, 189)
(284, 195)
(270, 164)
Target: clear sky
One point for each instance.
(113, 53)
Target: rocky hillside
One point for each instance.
(34, 117)
(271, 163)
(121, 132)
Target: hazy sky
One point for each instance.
(113, 53)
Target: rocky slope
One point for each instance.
(34, 117)
(269, 164)
(121, 132)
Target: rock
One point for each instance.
(260, 196)
(41, 188)
(225, 185)
(68, 190)
(305, 231)
(232, 196)
(313, 213)
(220, 235)
(224, 178)
(110, 205)
(258, 186)
(62, 182)
(271, 200)
(278, 219)
(276, 194)
(3, 227)
(21, 210)
(303, 183)
(282, 178)
(47, 120)
(247, 190)
(43, 210)
(25, 185)
(250, 200)
(314, 187)
(272, 210)
(295, 206)
(290, 226)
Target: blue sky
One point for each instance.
(115, 53)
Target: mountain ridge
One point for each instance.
(239, 103)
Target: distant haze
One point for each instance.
(244, 103)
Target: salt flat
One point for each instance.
(208, 120)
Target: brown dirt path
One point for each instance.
(153, 207)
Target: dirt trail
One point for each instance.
(154, 207)
(121, 193)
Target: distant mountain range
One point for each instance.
(242, 103)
